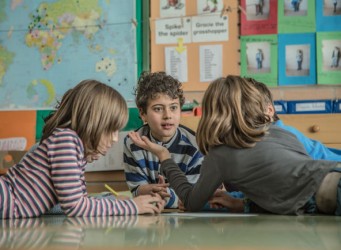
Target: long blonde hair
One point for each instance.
(233, 114)
(91, 109)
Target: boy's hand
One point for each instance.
(160, 189)
(161, 152)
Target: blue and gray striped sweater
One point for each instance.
(142, 167)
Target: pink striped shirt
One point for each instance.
(53, 173)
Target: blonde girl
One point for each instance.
(83, 128)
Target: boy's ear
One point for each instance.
(141, 112)
(142, 115)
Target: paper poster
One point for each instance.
(176, 63)
(13, 143)
(297, 59)
(328, 47)
(258, 17)
(172, 8)
(328, 15)
(210, 62)
(209, 6)
(210, 28)
(296, 16)
(259, 58)
(169, 30)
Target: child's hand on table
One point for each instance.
(149, 204)
(222, 199)
(160, 189)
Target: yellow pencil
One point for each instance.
(111, 190)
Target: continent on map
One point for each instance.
(53, 21)
(107, 65)
(6, 59)
(50, 90)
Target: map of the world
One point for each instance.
(47, 47)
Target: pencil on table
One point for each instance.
(111, 190)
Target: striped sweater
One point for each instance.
(142, 167)
(51, 174)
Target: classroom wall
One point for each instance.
(287, 93)
(12, 126)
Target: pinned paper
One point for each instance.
(176, 63)
(14, 143)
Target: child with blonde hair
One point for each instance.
(83, 127)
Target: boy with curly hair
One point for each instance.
(159, 98)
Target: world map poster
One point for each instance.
(47, 47)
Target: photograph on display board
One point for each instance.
(209, 6)
(296, 16)
(331, 7)
(328, 46)
(258, 55)
(172, 8)
(257, 9)
(297, 59)
(295, 8)
(258, 17)
(259, 58)
(331, 55)
(328, 15)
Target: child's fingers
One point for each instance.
(145, 139)
(161, 191)
(156, 204)
(160, 188)
(161, 179)
(135, 137)
(164, 194)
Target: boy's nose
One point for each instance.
(166, 114)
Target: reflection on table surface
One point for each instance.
(169, 231)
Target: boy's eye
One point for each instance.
(157, 109)
(173, 108)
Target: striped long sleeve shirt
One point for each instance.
(51, 174)
(142, 167)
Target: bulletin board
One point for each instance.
(174, 26)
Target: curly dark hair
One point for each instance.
(150, 85)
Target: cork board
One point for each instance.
(191, 9)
